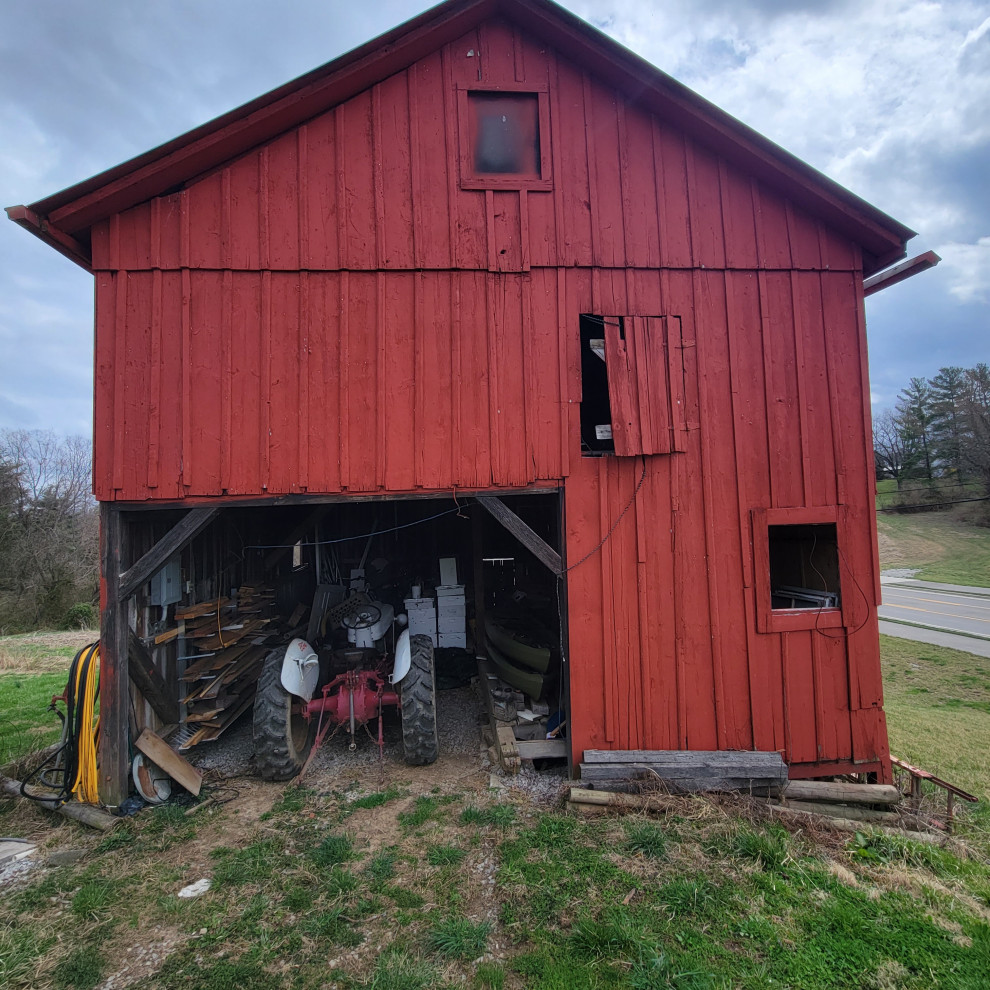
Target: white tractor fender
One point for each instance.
(300, 669)
(403, 657)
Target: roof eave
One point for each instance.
(74, 210)
(45, 230)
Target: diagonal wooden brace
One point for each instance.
(531, 540)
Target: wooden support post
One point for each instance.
(114, 681)
(178, 537)
(477, 551)
(522, 531)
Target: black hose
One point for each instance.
(61, 777)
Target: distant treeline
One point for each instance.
(937, 437)
(49, 532)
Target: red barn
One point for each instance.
(494, 253)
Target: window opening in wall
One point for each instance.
(596, 407)
(505, 130)
(804, 566)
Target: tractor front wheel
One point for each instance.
(419, 705)
(282, 738)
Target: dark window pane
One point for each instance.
(506, 133)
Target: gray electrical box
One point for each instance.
(166, 585)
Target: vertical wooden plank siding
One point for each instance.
(332, 312)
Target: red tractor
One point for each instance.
(344, 676)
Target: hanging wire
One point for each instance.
(615, 526)
(348, 539)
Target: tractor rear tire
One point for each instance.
(419, 705)
(282, 740)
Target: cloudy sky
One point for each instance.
(889, 97)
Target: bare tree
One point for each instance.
(889, 447)
(48, 528)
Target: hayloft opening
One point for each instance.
(596, 407)
(804, 566)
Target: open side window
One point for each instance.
(798, 572)
(632, 389)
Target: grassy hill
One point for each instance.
(941, 546)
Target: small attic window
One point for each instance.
(503, 139)
(505, 133)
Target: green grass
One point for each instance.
(459, 938)
(496, 816)
(940, 545)
(645, 838)
(491, 895)
(938, 710)
(25, 723)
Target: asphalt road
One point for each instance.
(936, 614)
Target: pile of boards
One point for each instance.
(229, 634)
(683, 772)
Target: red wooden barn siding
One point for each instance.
(216, 314)
(664, 648)
(332, 312)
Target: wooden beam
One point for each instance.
(294, 535)
(176, 766)
(149, 681)
(883, 280)
(477, 555)
(536, 749)
(180, 535)
(88, 814)
(522, 531)
(114, 683)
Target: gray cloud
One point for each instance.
(888, 97)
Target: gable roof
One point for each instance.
(64, 219)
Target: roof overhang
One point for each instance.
(64, 219)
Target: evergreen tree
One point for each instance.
(915, 419)
(947, 392)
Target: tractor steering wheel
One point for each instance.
(364, 619)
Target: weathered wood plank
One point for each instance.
(720, 758)
(177, 537)
(144, 673)
(538, 749)
(678, 784)
(177, 767)
(544, 553)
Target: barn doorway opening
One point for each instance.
(348, 577)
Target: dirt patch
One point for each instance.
(141, 960)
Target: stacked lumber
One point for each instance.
(228, 637)
(679, 772)
(844, 800)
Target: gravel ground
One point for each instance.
(900, 572)
(459, 716)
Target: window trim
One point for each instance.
(779, 620)
(469, 179)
